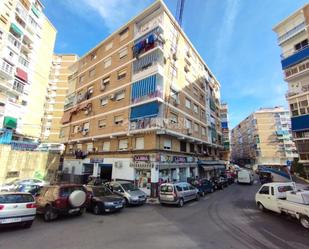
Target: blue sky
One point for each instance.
(234, 37)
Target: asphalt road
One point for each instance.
(224, 219)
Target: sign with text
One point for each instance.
(141, 158)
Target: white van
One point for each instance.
(244, 176)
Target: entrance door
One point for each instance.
(106, 172)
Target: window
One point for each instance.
(121, 74)
(124, 34)
(123, 144)
(118, 120)
(108, 46)
(120, 95)
(183, 146)
(106, 146)
(104, 101)
(108, 62)
(79, 146)
(105, 82)
(167, 144)
(188, 124)
(301, 45)
(90, 91)
(195, 91)
(203, 131)
(123, 53)
(272, 191)
(92, 73)
(174, 118)
(188, 103)
(202, 114)
(102, 123)
(86, 126)
(89, 147)
(93, 56)
(81, 79)
(139, 143)
(173, 72)
(195, 108)
(264, 190)
(75, 129)
(196, 127)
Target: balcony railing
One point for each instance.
(22, 11)
(13, 41)
(292, 32)
(148, 26)
(6, 69)
(23, 61)
(297, 91)
(292, 57)
(147, 123)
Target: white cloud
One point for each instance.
(113, 13)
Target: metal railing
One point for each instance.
(291, 32)
(6, 67)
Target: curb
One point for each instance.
(152, 201)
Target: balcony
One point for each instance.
(22, 11)
(18, 86)
(292, 32)
(24, 62)
(144, 28)
(14, 43)
(295, 57)
(6, 70)
(300, 123)
(147, 123)
(297, 91)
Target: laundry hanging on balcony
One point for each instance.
(144, 45)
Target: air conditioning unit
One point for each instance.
(189, 131)
(176, 102)
(87, 111)
(112, 96)
(118, 164)
(188, 53)
(80, 128)
(85, 132)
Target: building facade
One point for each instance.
(225, 132)
(264, 137)
(142, 106)
(55, 98)
(26, 47)
(293, 38)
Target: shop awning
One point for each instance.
(208, 168)
(66, 118)
(16, 29)
(145, 111)
(21, 74)
(10, 122)
(35, 11)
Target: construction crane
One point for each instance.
(179, 11)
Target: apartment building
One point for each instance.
(55, 98)
(264, 137)
(142, 106)
(225, 132)
(293, 38)
(26, 47)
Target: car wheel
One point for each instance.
(202, 193)
(49, 214)
(261, 207)
(96, 209)
(28, 224)
(181, 203)
(197, 198)
(304, 221)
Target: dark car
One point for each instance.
(63, 199)
(219, 182)
(102, 200)
(32, 189)
(230, 177)
(204, 186)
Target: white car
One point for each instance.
(17, 208)
(284, 198)
(33, 181)
(245, 176)
(10, 186)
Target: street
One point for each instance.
(224, 219)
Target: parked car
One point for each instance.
(9, 186)
(284, 198)
(230, 177)
(25, 188)
(63, 199)
(177, 193)
(131, 194)
(204, 186)
(33, 181)
(219, 182)
(245, 176)
(101, 200)
(17, 208)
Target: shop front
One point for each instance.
(211, 168)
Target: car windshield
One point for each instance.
(101, 191)
(129, 187)
(166, 188)
(66, 191)
(16, 198)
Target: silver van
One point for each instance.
(177, 193)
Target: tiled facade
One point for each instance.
(55, 98)
(225, 132)
(26, 46)
(293, 38)
(264, 137)
(142, 104)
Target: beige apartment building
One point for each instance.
(264, 137)
(293, 38)
(55, 98)
(26, 47)
(142, 106)
(226, 151)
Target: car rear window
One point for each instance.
(166, 188)
(66, 191)
(16, 198)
